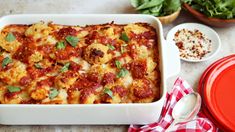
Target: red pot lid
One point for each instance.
(208, 69)
(219, 92)
(201, 88)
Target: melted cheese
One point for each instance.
(82, 71)
(8, 46)
(14, 74)
(135, 29)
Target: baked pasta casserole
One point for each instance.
(47, 63)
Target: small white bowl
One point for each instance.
(207, 31)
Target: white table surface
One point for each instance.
(189, 71)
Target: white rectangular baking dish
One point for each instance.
(139, 113)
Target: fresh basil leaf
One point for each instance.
(108, 91)
(118, 64)
(13, 89)
(73, 41)
(124, 37)
(65, 67)
(38, 66)
(6, 61)
(145, 11)
(123, 72)
(60, 45)
(10, 37)
(150, 4)
(111, 47)
(53, 93)
(156, 9)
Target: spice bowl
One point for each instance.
(196, 42)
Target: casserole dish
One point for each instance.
(137, 113)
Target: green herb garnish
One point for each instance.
(6, 61)
(13, 89)
(73, 41)
(10, 37)
(38, 66)
(118, 64)
(123, 49)
(108, 91)
(124, 37)
(53, 93)
(111, 47)
(123, 72)
(124, 45)
(60, 45)
(65, 67)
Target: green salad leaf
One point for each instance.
(223, 9)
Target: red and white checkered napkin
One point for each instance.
(200, 124)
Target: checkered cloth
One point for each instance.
(199, 124)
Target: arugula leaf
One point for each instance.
(73, 41)
(124, 37)
(108, 91)
(118, 64)
(223, 9)
(123, 72)
(38, 66)
(65, 67)
(53, 93)
(10, 37)
(60, 45)
(111, 47)
(13, 89)
(6, 61)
